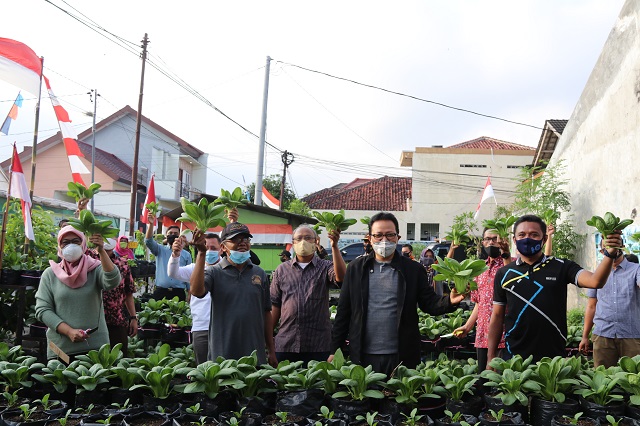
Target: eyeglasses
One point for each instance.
(76, 241)
(307, 238)
(388, 236)
(239, 239)
(490, 240)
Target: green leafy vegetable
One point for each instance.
(461, 273)
(231, 200)
(78, 190)
(153, 208)
(501, 226)
(89, 225)
(204, 215)
(550, 216)
(333, 222)
(609, 223)
(458, 235)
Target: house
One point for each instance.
(180, 169)
(364, 197)
(448, 181)
(551, 132)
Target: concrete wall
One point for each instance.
(442, 189)
(600, 143)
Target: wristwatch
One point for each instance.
(610, 256)
(135, 317)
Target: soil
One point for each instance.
(275, 420)
(70, 422)
(17, 417)
(420, 423)
(505, 417)
(146, 421)
(581, 422)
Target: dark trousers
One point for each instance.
(200, 341)
(169, 293)
(385, 363)
(302, 356)
(119, 334)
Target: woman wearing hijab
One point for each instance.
(122, 248)
(69, 298)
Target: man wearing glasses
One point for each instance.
(240, 306)
(493, 247)
(377, 308)
(300, 298)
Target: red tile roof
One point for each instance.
(387, 193)
(115, 168)
(484, 142)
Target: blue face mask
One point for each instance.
(212, 256)
(239, 257)
(529, 246)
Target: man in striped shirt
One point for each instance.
(300, 298)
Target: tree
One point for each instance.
(299, 207)
(272, 183)
(542, 189)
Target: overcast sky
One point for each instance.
(525, 61)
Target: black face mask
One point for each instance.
(492, 251)
(407, 254)
(171, 239)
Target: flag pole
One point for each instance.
(33, 153)
(6, 211)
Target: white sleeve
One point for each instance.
(180, 273)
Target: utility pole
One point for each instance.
(136, 150)
(93, 141)
(263, 131)
(287, 159)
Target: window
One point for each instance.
(479, 166)
(429, 231)
(514, 167)
(411, 231)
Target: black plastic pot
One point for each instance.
(151, 403)
(144, 418)
(470, 404)
(496, 404)
(12, 418)
(120, 396)
(349, 407)
(150, 331)
(38, 329)
(633, 411)
(561, 420)
(86, 398)
(224, 401)
(303, 402)
(432, 407)
(292, 420)
(542, 411)
(472, 420)
(508, 418)
(622, 421)
(593, 410)
(10, 276)
(263, 405)
(247, 419)
(30, 278)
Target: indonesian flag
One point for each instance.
(151, 198)
(13, 114)
(486, 194)
(69, 137)
(19, 65)
(19, 189)
(269, 199)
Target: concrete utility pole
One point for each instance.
(263, 131)
(134, 172)
(93, 140)
(287, 159)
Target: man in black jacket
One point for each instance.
(377, 307)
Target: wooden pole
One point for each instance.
(6, 213)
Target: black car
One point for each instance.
(353, 250)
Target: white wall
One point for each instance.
(600, 142)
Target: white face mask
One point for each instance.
(304, 248)
(384, 248)
(71, 252)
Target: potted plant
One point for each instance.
(26, 414)
(600, 394)
(577, 419)
(493, 418)
(355, 388)
(456, 419)
(158, 381)
(90, 382)
(510, 389)
(557, 379)
(458, 385)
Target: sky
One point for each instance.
(524, 61)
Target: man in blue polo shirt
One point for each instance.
(615, 311)
(166, 286)
(530, 294)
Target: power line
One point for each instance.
(371, 86)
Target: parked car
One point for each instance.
(353, 250)
(441, 249)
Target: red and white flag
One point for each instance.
(151, 198)
(69, 138)
(19, 65)
(19, 190)
(269, 199)
(486, 194)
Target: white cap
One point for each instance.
(110, 244)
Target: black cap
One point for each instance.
(285, 253)
(233, 229)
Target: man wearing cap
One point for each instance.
(285, 256)
(240, 305)
(300, 298)
(165, 285)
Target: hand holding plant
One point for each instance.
(501, 226)
(461, 273)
